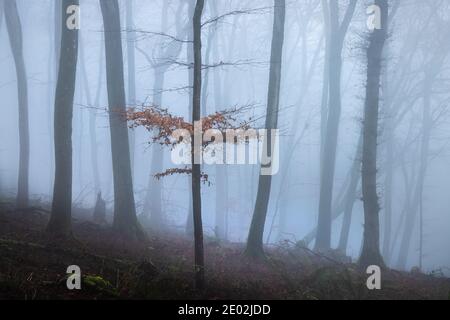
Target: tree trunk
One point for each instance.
(60, 219)
(370, 254)
(424, 153)
(350, 197)
(14, 27)
(196, 167)
(190, 59)
(255, 238)
(131, 63)
(125, 220)
(337, 35)
(153, 197)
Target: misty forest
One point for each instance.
(314, 137)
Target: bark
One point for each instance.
(325, 81)
(337, 35)
(14, 28)
(370, 254)
(196, 167)
(190, 60)
(60, 219)
(125, 220)
(131, 63)
(255, 238)
(350, 198)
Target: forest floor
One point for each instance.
(34, 267)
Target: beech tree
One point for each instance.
(125, 220)
(337, 32)
(255, 237)
(370, 254)
(14, 28)
(60, 219)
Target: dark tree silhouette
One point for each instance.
(125, 220)
(370, 254)
(255, 238)
(14, 27)
(60, 219)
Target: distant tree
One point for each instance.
(125, 220)
(196, 167)
(336, 32)
(60, 219)
(370, 254)
(255, 237)
(14, 27)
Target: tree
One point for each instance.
(60, 219)
(169, 52)
(125, 220)
(350, 197)
(196, 167)
(14, 27)
(255, 238)
(370, 254)
(131, 64)
(337, 33)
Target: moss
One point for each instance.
(100, 285)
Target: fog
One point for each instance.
(413, 135)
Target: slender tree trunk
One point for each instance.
(60, 219)
(255, 238)
(92, 114)
(370, 254)
(388, 183)
(131, 63)
(125, 220)
(325, 80)
(152, 203)
(14, 27)
(196, 167)
(424, 153)
(337, 35)
(190, 60)
(350, 198)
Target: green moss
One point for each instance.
(99, 284)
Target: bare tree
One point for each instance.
(255, 237)
(131, 64)
(370, 254)
(14, 27)
(337, 33)
(125, 220)
(60, 219)
(196, 167)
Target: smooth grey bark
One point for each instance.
(325, 80)
(255, 238)
(370, 254)
(190, 59)
(131, 63)
(350, 197)
(125, 220)
(14, 28)
(60, 219)
(196, 167)
(337, 35)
